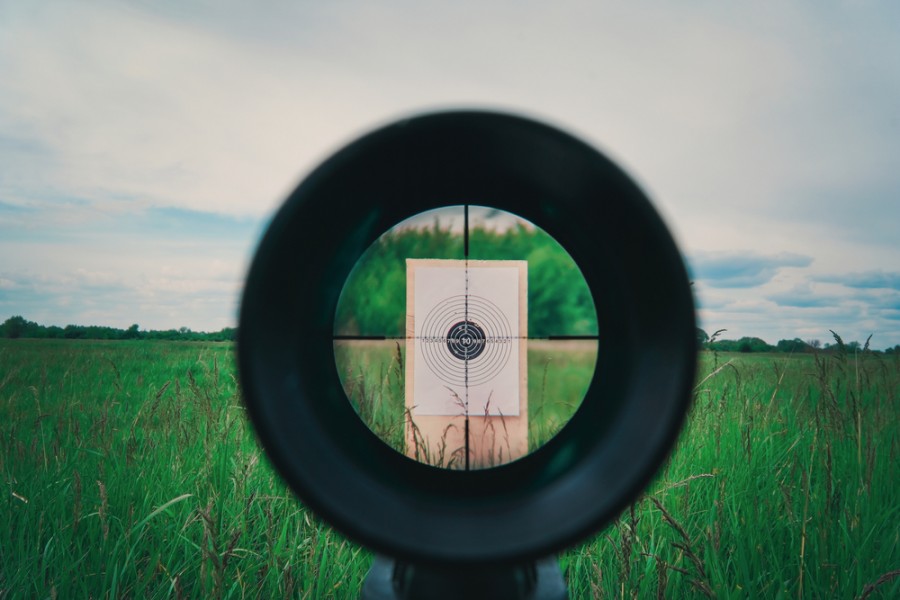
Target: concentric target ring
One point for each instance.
(448, 358)
(466, 340)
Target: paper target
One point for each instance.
(465, 338)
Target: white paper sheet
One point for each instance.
(466, 340)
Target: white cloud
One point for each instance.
(742, 269)
(771, 128)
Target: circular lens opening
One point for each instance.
(465, 337)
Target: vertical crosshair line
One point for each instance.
(466, 230)
(466, 318)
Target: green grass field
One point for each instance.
(130, 471)
(372, 373)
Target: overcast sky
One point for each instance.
(145, 145)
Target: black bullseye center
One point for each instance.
(465, 340)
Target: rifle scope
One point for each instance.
(467, 341)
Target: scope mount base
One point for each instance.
(389, 579)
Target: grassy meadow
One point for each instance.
(129, 470)
(373, 375)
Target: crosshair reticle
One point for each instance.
(465, 337)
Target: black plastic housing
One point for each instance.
(539, 504)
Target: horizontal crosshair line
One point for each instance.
(496, 337)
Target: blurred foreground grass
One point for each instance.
(130, 471)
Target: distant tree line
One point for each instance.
(794, 346)
(18, 327)
(373, 301)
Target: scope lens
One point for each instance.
(465, 337)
